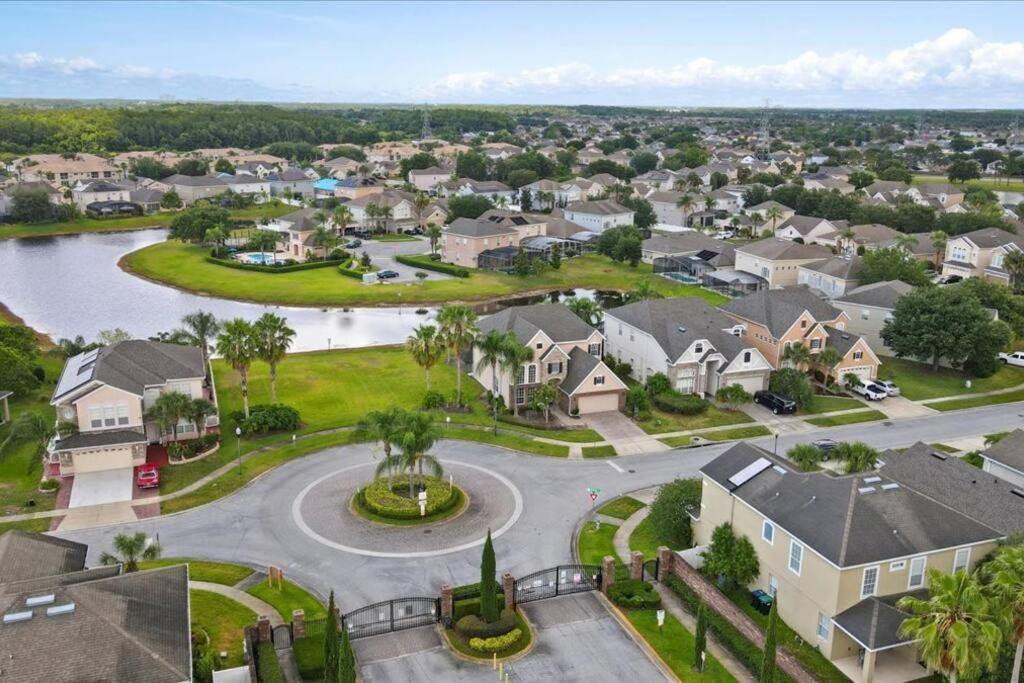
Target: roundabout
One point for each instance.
(323, 511)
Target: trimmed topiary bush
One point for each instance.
(497, 643)
(472, 626)
(682, 404)
(270, 417)
(633, 593)
(393, 500)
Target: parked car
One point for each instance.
(725, 234)
(1015, 358)
(354, 244)
(147, 476)
(892, 390)
(777, 403)
(870, 391)
(387, 275)
(825, 446)
(950, 279)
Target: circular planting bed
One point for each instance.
(509, 636)
(392, 501)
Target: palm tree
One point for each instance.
(1013, 264)
(198, 410)
(384, 213)
(131, 548)
(416, 435)
(685, 203)
(264, 240)
(774, 214)
(382, 426)
(955, 626)
(644, 291)
(30, 426)
(491, 347)
(588, 310)
(433, 233)
(201, 328)
(797, 355)
(827, 360)
(168, 409)
(420, 202)
(372, 212)
(342, 217)
(848, 235)
(514, 356)
(694, 181)
(324, 238)
(1006, 588)
(273, 338)
(215, 236)
(905, 242)
(426, 347)
(709, 203)
(939, 241)
(856, 455)
(236, 343)
(458, 330)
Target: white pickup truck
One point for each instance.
(1015, 358)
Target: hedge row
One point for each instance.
(497, 643)
(268, 668)
(472, 626)
(381, 499)
(183, 450)
(682, 404)
(748, 654)
(238, 265)
(633, 593)
(470, 606)
(348, 272)
(428, 263)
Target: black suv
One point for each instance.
(775, 402)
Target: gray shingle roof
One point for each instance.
(778, 309)
(581, 364)
(1009, 450)
(601, 207)
(113, 437)
(131, 365)
(784, 250)
(555, 320)
(839, 267)
(26, 556)
(878, 294)
(193, 180)
(802, 224)
(682, 243)
(875, 622)
(987, 238)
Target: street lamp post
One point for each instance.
(238, 447)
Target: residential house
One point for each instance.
(980, 254)
(867, 235)
(886, 189)
(358, 187)
(589, 155)
(192, 188)
(777, 261)
(7, 192)
(666, 207)
(806, 228)
(599, 215)
(465, 239)
(728, 199)
(1005, 459)
(762, 209)
(942, 196)
(500, 150)
(839, 551)
(778, 318)
(66, 170)
(292, 180)
(297, 229)
(85, 193)
(402, 210)
(832, 277)
(566, 351)
(698, 348)
(147, 198)
(494, 190)
(425, 179)
(868, 307)
(824, 182)
(679, 245)
(342, 167)
(248, 184)
(260, 169)
(106, 394)
(111, 625)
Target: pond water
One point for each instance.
(71, 285)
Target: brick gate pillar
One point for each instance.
(447, 605)
(665, 558)
(508, 587)
(607, 573)
(298, 624)
(263, 629)
(636, 565)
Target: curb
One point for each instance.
(637, 638)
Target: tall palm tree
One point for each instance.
(709, 203)
(342, 217)
(685, 203)
(168, 409)
(236, 343)
(426, 346)
(201, 328)
(416, 435)
(827, 360)
(264, 240)
(433, 233)
(1013, 264)
(372, 213)
(644, 291)
(848, 235)
(491, 347)
(384, 213)
(33, 427)
(939, 241)
(198, 410)
(1006, 587)
(420, 202)
(273, 339)
(458, 330)
(797, 355)
(514, 355)
(774, 214)
(131, 548)
(955, 626)
(905, 243)
(694, 181)
(588, 310)
(325, 238)
(382, 426)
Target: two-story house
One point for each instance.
(806, 228)
(1005, 459)
(768, 225)
(566, 351)
(698, 348)
(778, 261)
(599, 215)
(980, 254)
(426, 179)
(777, 318)
(868, 307)
(297, 229)
(832, 277)
(106, 393)
(839, 551)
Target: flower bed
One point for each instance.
(180, 452)
(392, 500)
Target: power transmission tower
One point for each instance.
(426, 133)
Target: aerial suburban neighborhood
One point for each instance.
(362, 344)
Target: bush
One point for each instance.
(427, 263)
(433, 399)
(498, 643)
(268, 417)
(658, 384)
(793, 384)
(467, 606)
(388, 501)
(183, 450)
(682, 404)
(348, 272)
(50, 484)
(472, 626)
(668, 512)
(268, 668)
(39, 372)
(633, 593)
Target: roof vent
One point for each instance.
(40, 600)
(890, 487)
(57, 610)
(939, 456)
(15, 617)
(845, 336)
(681, 329)
(866, 489)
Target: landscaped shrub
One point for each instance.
(50, 484)
(183, 450)
(658, 384)
(433, 399)
(472, 626)
(466, 606)
(268, 668)
(668, 512)
(496, 644)
(682, 404)
(392, 501)
(428, 264)
(309, 657)
(348, 272)
(633, 593)
(268, 417)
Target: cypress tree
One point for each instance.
(700, 637)
(768, 660)
(489, 611)
(346, 660)
(331, 654)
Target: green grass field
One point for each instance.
(751, 432)
(828, 404)
(621, 508)
(994, 184)
(917, 381)
(674, 644)
(662, 421)
(288, 598)
(978, 401)
(185, 266)
(607, 451)
(223, 573)
(595, 542)
(223, 620)
(646, 540)
(847, 418)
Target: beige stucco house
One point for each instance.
(66, 170)
(980, 254)
(868, 307)
(777, 261)
(566, 351)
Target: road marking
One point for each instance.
(615, 467)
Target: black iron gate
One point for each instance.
(282, 636)
(651, 570)
(561, 580)
(391, 615)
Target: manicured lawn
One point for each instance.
(828, 404)
(646, 540)
(185, 266)
(26, 525)
(847, 418)
(595, 542)
(752, 432)
(621, 508)
(978, 401)
(917, 381)
(203, 570)
(223, 619)
(288, 598)
(994, 184)
(518, 443)
(674, 644)
(662, 422)
(599, 451)
(677, 441)
(395, 237)
(944, 448)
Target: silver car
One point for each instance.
(890, 387)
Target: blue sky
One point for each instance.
(798, 54)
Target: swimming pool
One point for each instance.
(257, 258)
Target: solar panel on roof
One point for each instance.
(750, 471)
(706, 254)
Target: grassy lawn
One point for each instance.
(994, 184)
(645, 539)
(223, 620)
(674, 644)
(621, 508)
(595, 542)
(395, 237)
(158, 220)
(26, 525)
(599, 451)
(203, 570)
(677, 441)
(847, 418)
(288, 598)
(185, 266)
(662, 422)
(978, 401)
(917, 381)
(751, 432)
(517, 443)
(828, 404)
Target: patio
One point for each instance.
(895, 665)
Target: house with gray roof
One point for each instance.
(806, 228)
(599, 215)
(868, 307)
(698, 348)
(832, 277)
(566, 352)
(981, 253)
(839, 551)
(1005, 459)
(777, 261)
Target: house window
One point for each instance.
(532, 374)
(122, 414)
(864, 314)
(768, 532)
(747, 356)
(899, 565)
(803, 324)
(186, 428)
(698, 349)
(961, 559)
(520, 395)
(95, 417)
(815, 344)
(599, 379)
(796, 557)
(869, 583)
(823, 624)
(916, 578)
(595, 349)
(857, 355)
(520, 375)
(773, 585)
(555, 368)
(540, 345)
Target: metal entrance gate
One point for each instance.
(651, 570)
(391, 615)
(561, 580)
(282, 636)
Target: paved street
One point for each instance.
(383, 254)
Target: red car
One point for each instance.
(147, 477)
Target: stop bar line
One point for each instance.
(615, 467)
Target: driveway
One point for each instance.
(899, 407)
(383, 254)
(621, 432)
(99, 488)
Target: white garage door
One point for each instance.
(597, 403)
(751, 383)
(863, 372)
(98, 460)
